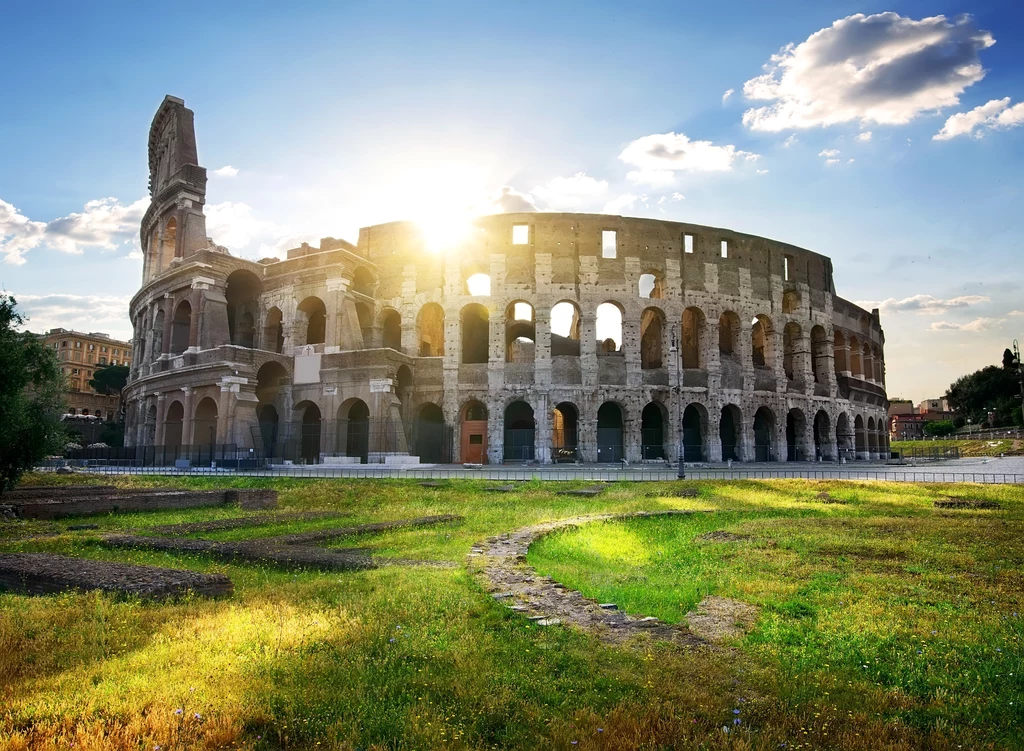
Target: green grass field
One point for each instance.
(885, 624)
(966, 446)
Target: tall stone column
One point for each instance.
(186, 421)
(631, 350)
(588, 348)
(161, 416)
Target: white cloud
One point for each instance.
(829, 153)
(232, 224)
(728, 93)
(790, 141)
(1016, 313)
(103, 223)
(656, 178)
(762, 172)
(226, 171)
(80, 312)
(873, 69)
(978, 324)
(572, 192)
(996, 114)
(621, 203)
(675, 152)
(864, 137)
(850, 161)
(678, 196)
(925, 304)
(508, 200)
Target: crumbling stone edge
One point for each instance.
(499, 563)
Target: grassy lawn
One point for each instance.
(885, 624)
(968, 447)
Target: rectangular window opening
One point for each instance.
(520, 234)
(687, 243)
(608, 243)
(725, 248)
(787, 267)
(476, 439)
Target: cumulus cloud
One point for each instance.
(790, 141)
(978, 324)
(864, 137)
(103, 223)
(508, 200)
(881, 68)
(762, 172)
(661, 155)
(831, 156)
(728, 93)
(656, 178)
(574, 192)
(996, 114)
(226, 171)
(233, 224)
(81, 312)
(621, 203)
(925, 304)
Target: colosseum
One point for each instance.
(540, 337)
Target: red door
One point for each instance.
(474, 442)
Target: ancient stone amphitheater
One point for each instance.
(541, 337)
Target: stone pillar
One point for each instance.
(542, 434)
(334, 305)
(161, 415)
(224, 405)
(588, 348)
(186, 421)
(631, 350)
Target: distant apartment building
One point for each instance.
(79, 356)
(935, 409)
(906, 426)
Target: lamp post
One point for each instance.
(675, 351)
(1020, 373)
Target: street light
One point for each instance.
(1020, 372)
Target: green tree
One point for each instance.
(110, 379)
(939, 428)
(992, 389)
(31, 397)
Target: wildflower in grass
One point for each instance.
(198, 716)
(178, 711)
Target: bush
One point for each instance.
(939, 428)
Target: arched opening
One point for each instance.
(273, 331)
(761, 342)
(822, 436)
(872, 437)
(430, 330)
(796, 426)
(269, 422)
(520, 333)
(475, 334)
(403, 389)
(204, 424)
(859, 437)
(391, 330)
(693, 338)
(839, 353)
(181, 328)
(243, 293)
(315, 313)
(270, 378)
(565, 329)
(309, 442)
(473, 448)
(478, 285)
(156, 348)
(790, 301)
(694, 421)
(354, 429)
(173, 425)
(764, 428)
(365, 315)
(729, 432)
(879, 367)
(170, 242)
(609, 327)
(867, 362)
(651, 286)
(728, 334)
(520, 430)
(565, 433)
(792, 361)
(652, 327)
(430, 434)
(652, 431)
(856, 363)
(363, 282)
(819, 354)
(609, 433)
(844, 436)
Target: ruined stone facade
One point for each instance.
(711, 343)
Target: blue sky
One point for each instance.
(892, 141)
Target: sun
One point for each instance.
(443, 233)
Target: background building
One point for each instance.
(80, 355)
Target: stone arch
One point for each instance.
(169, 245)
(694, 333)
(761, 339)
(270, 378)
(790, 302)
(867, 362)
(565, 420)
(478, 285)
(473, 431)
(173, 423)
(879, 366)
(823, 435)
(764, 435)
(819, 354)
(652, 336)
(475, 334)
(796, 429)
(609, 318)
(792, 354)
(872, 438)
(730, 432)
(273, 330)
(845, 436)
(391, 329)
(729, 334)
(654, 424)
(430, 436)
(243, 296)
(840, 353)
(403, 388)
(354, 429)
(520, 332)
(150, 425)
(610, 425)
(651, 286)
(430, 330)
(860, 438)
(314, 312)
(565, 329)
(309, 424)
(365, 315)
(204, 423)
(363, 281)
(856, 362)
(695, 433)
(156, 347)
(269, 421)
(520, 432)
(181, 328)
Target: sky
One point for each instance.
(889, 137)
